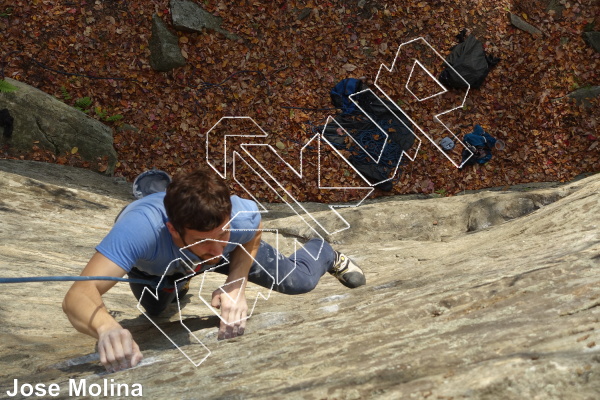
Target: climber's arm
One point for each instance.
(87, 313)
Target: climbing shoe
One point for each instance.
(347, 272)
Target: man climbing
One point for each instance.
(198, 217)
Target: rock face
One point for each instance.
(42, 120)
(165, 53)
(494, 295)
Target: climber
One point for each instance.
(195, 216)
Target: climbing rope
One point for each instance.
(27, 279)
(372, 140)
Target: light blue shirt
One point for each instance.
(141, 238)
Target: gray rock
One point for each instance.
(509, 311)
(519, 23)
(44, 121)
(75, 178)
(582, 95)
(593, 39)
(556, 6)
(303, 14)
(127, 127)
(189, 16)
(421, 220)
(165, 53)
(492, 211)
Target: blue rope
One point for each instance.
(366, 138)
(73, 278)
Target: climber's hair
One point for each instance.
(197, 200)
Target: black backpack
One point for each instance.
(470, 60)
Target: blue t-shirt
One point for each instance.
(141, 238)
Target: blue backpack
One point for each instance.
(341, 92)
(480, 143)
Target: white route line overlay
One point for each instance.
(319, 137)
(191, 267)
(436, 117)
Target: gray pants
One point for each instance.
(296, 274)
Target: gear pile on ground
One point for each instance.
(290, 54)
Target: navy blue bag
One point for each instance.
(480, 143)
(367, 133)
(341, 92)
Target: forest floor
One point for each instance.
(99, 49)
